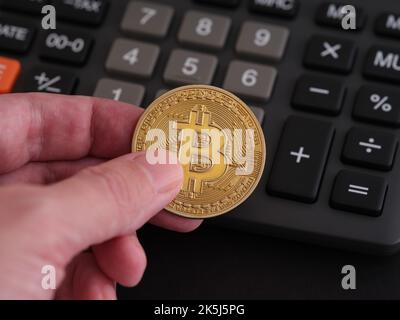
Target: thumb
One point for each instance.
(109, 200)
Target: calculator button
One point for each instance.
(262, 40)
(120, 91)
(9, 72)
(160, 92)
(204, 29)
(285, 9)
(30, 6)
(388, 24)
(87, 11)
(378, 105)
(383, 63)
(188, 67)
(330, 53)
(49, 80)
(330, 14)
(301, 158)
(147, 18)
(223, 3)
(250, 80)
(319, 94)
(132, 58)
(259, 113)
(15, 36)
(65, 46)
(359, 193)
(370, 148)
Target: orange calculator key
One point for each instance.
(9, 72)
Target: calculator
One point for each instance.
(327, 96)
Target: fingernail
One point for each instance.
(165, 177)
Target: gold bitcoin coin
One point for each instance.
(219, 144)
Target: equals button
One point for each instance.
(319, 94)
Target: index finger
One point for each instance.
(47, 127)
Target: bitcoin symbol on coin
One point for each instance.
(202, 168)
(203, 123)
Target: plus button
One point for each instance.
(300, 155)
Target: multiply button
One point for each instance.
(300, 160)
(359, 193)
(330, 53)
(378, 105)
(383, 63)
(370, 148)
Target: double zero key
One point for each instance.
(66, 46)
(300, 159)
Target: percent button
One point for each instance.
(378, 105)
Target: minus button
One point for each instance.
(319, 90)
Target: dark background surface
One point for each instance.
(217, 263)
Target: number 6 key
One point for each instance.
(250, 80)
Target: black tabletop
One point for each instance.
(218, 263)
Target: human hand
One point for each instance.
(61, 194)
